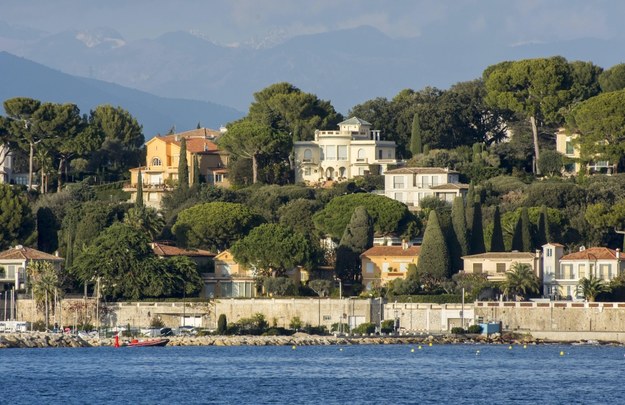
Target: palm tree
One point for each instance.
(591, 287)
(521, 281)
(145, 219)
(44, 282)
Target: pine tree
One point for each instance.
(496, 241)
(477, 231)
(183, 167)
(196, 171)
(416, 145)
(469, 203)
(522, 239)
(198, 125)
(542, 236)
(357, 238)
(139, 199)
(434, 256)
(461, 237)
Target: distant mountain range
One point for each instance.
(20, 77)
(346, 67)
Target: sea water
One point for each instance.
(359, 374)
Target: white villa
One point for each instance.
(411, 184)
(341, 155)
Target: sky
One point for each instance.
(242, 21)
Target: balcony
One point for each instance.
(148, 187)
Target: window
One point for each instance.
(156, 161)
(307, 171)
(11, 272)
(385, 267)
(327, 318)
(604, 270)
(569, 147)
(369, 268)
(501, 267)
(398, 197)
(361, 155)
(398, 181)
(219, 178)
(342, 172)
(424, 182)
(549, 252)
(322, 154)
(567, 271)
(361, 171)
(307, 155)
(477, 268)
(403, 267)
(581, 269)
(342, 152)
(434, 180)
(389, 154)
(331, 152)
(380, 154)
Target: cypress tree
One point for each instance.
(183, 168)
(434, 255)
(477, 231)
(470, 200)
(196, 171)
(357, 237)
(416, 145)
(461, 237)
(496, 242)
(139, 199)
(522, 239)
(542, 236)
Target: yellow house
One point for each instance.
(382, 264)
(496, 264)
(160, 174)
(565, 144)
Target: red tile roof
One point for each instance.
(593, 253)
(25, 253)
(501, 255)
(392, 251)
(198, 140)
(164, 250)
(421, 170)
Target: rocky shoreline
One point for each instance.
(51, 340)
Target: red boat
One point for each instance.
(148, 343)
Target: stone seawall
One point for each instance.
(41, 340)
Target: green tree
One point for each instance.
(542, 233)
(246, 139)
(613, 79)
(551, 162)
(139, 198)
(222, 324)
(196, 171)
(521, 281)
(389, 216)
(272, 250)
(434, 255)
(590, 287)
(470, 203)
(183, 166)
(477, 231)
(287, 109)
(535, 89)
(496, 241)
(45, 285)
(460, 232)
(522, 239)
(416, 144)
(214, 226)
(16, 220)
(600, 122)
(357, 237)
(145, 219)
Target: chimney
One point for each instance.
(618, 254)
(538, 252)
(404, 244)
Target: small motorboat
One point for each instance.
(148, 343)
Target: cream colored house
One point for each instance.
(601, 262)
(495, 265)
(15, 261)
(354, 150)
(565, 144)
(381, 264)
(411, 184)
(160, 174)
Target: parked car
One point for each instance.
(167, 332)
(187, 330)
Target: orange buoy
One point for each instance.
(117, 340)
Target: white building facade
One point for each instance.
(354, 150)
(411, 184)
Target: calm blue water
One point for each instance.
(315, 375)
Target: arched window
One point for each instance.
(341, 172)
(361, 153)
(156, 161)
(307, 155)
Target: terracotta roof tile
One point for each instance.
(451, 186)
(392, 251)
(161, 249)
(502, 255)
(593, 253)
(26, 253)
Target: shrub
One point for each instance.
(276, 331)
(339, 327)
(315, 330)
(474, 329)
(280, 286)
(296, 323)
(457, 330)
(365, 328)
(39, 326)
(157, 322)
(222, 324)
(256, 325)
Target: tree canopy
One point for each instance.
(16, 220)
